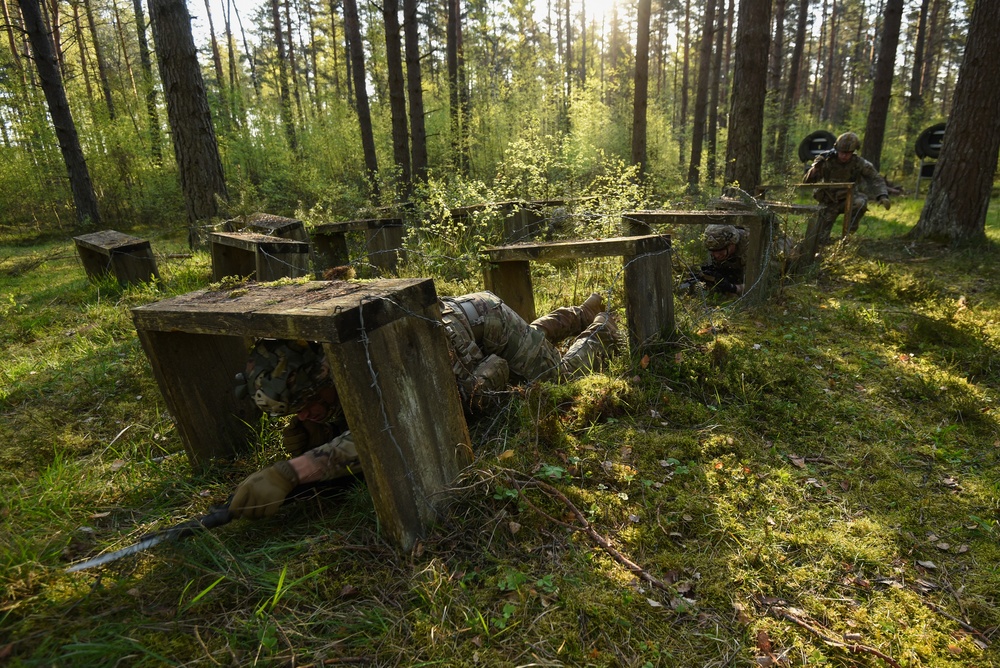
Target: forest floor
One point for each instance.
(811, 481)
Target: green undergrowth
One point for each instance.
(812, 481)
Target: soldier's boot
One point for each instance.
(591, 347)
(568, 321)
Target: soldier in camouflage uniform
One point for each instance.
(489, 343)
(842, 165)
(727, 250)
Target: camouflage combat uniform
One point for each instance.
(728, 273)
(827, 169)
(488, 342)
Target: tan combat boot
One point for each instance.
(591, 348)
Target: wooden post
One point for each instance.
(389, 359)
(511, 282)
(256, 255)
(384, 244)
(270, 225)
(649, 301)
(848, 210)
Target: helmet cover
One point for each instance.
(718, 237)
(848, 143)
(281, 375)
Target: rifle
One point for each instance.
(707, 275)
(217, 516)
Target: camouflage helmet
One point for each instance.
(847, 143)
(718, 237)
(281, 375)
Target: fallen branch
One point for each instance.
(968, 627)
(586, 527)
(856, 648)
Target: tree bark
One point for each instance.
(746, 118)
(414, 82)
(882, 88)
(195, 147)
(456, 82)
(959, 194)
(217, 63)
(701, 96)
(353, 31)
(686, 47)
(641, 93)
(84, 199)
(397, 92)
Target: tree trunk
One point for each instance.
(830, 69)
(791, 87)
(334, 47)
(931, 51)
(102, 67)
(746, 118)
(293, 68)
(149, 90)
(701, 96)
(195, 146)
(285, 107)
(641, 86)
(882, 88)
(414, 82)
(727, 71)
(353, 31)
(915, 103)
(220, 75)
(81, 42)
(397, 92)
(713, 102)
(84, 199)
(959, 194)
(686, 47)
(777, 47)
(456, 82)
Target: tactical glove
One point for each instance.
(884, 201)
(262, 493)
(725, 285)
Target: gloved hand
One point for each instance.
(884, 201)
(262, 493)
(294, 437)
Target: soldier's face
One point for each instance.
(723, 253)
(844, 157)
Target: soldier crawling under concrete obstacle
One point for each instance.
(489, 345)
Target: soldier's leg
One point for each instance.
(528, 353)
(568, 321)
(591, 348)
(827, 217)
(859, 207)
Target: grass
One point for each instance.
(815, 481)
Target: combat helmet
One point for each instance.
(718, 237)
(847, 143)
(281, 375)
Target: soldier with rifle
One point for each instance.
(841, 164)
(724, 271)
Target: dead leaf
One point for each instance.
(514, 527)
(348, 591)
(97, 516)
(962, 549)
(765, 661)
(506, 454)
(798, 461)
(117, 464)
(763, 641)
(930, 565)
(654, 604)
(634, 519)
(954, 649)
(845, 485)
(644, 362)
(943, 546)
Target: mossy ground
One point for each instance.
(811, 480)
